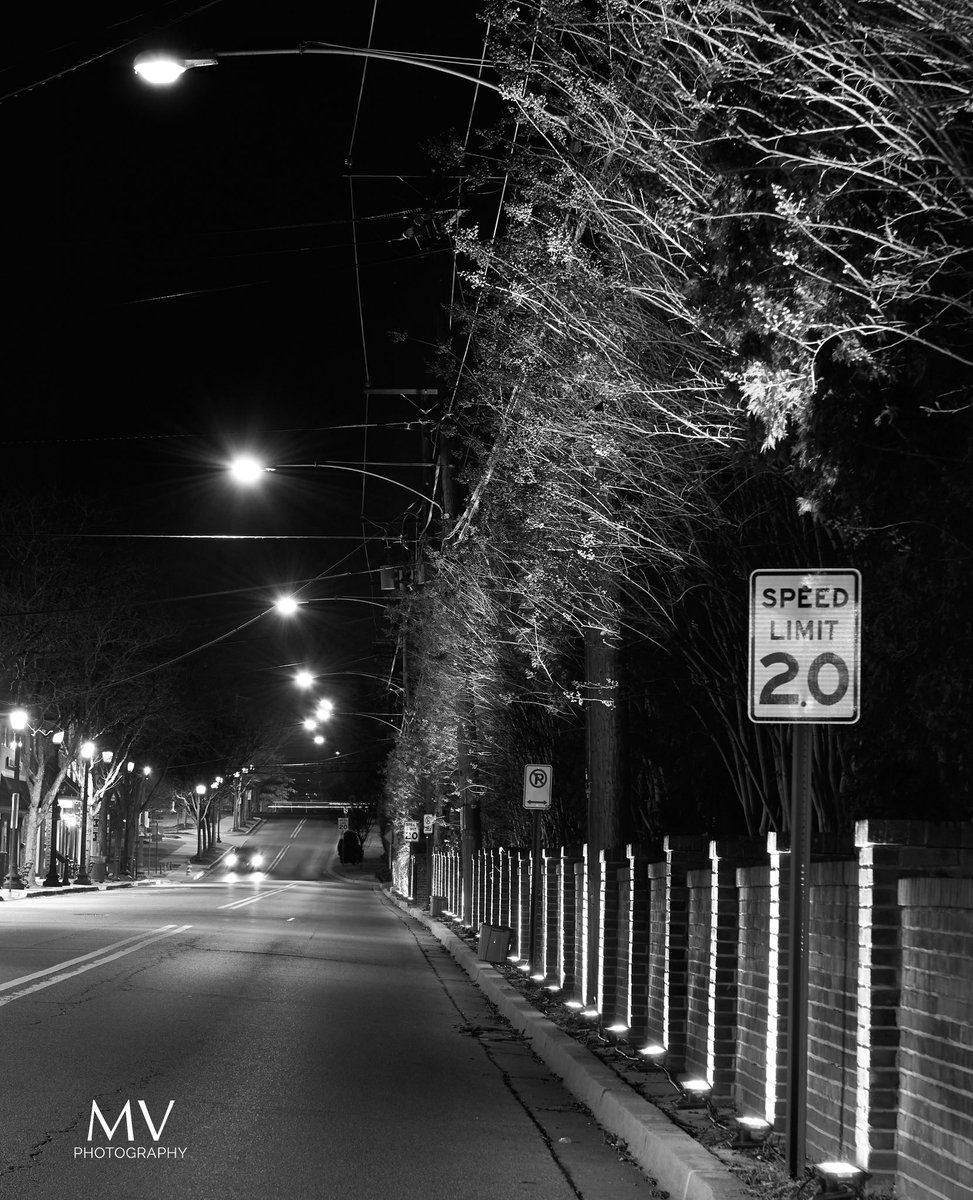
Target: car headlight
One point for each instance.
(231, 860)
(257, 859)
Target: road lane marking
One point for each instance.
(278, 858)
(300, 826)
(259, 896)
(77, 966)
(81, 958)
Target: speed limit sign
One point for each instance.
(805, 647)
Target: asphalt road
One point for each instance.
(291, 1035)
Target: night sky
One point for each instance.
(181, 286)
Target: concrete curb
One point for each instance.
(684, 1168)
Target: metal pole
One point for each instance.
(13, 873)
(52, 879)
(83, 877)
(535, 885)
(799, 910)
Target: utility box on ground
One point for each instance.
(494, 944)
(436, 905)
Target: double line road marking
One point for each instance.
(258, 896)
(84, 962)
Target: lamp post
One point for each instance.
(219, 803)
(18, 723)
(200, 793)
(52, 879)
(87, 754)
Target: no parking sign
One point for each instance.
(537, 786)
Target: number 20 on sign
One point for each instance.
(805, 647)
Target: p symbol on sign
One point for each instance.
(538, 778)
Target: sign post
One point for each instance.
(805, 669)
(537, 799)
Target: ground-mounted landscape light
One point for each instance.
(840, 1180)
(654, 1052)
(574, 1005)
(696, 1093)
(617, 1028)
(538, 977)
(590, 1013)
(552, 987)
(749, 1132)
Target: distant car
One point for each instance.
(244, 858)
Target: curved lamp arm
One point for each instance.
(161, 68)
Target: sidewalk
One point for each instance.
(176, 864)
(685, 1169)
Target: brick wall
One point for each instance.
(935, 1120)
(890, 989)
(832, 993)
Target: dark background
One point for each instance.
(181, 286)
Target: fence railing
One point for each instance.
(684, 944)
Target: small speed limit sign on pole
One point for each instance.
(805, 647)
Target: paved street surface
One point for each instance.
(312, 1039)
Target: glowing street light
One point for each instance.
(286, 605)
(304, 679)
(161, 68)
(247, 469)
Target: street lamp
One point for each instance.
(18, 723)
(87, 753)
(161, 68)
(200, 793)
(250, 470)
(51, 879)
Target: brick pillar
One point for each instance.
(523, 902)
(726, 856)
(887, 850)
(480, 892)
(622, 1009)
(567, 882)
(581, 924)
(640, 941)
(517, 943)
(657, 981)
(490, 885)
(683, 854)
(503, 886)
(609, 929)
(551, 963)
